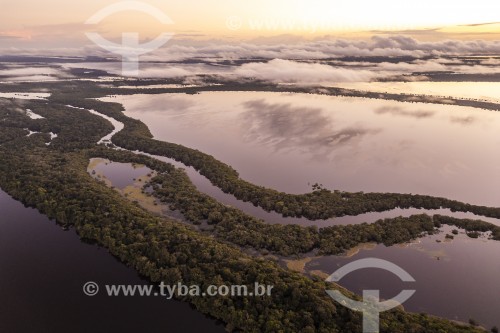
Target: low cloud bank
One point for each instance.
(286, 71)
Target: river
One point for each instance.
(42, 272)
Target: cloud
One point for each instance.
(326, 48)
(433, 31)
(479, 24)
(27, 71)
(399, 111)
(286, 127)
(6, 37)
(410, 67)
(163, 72)
(286, 71)
(15, 35)
(34, 73)
(324, 60)
(463, 120)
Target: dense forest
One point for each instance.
(53, 178)
(173, 186)
(319, 204)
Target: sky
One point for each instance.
(59, 24)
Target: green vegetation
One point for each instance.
(173, 186)
(54, 180)
(469, 225)
(473, 322)
(320, 204)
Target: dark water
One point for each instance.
(454, 279)
(43, 269)
(458, 280)
(123, 174)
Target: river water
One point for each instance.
(42, 272)
(291, 141)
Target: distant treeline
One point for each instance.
(54, 180)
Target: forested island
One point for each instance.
(53, 178)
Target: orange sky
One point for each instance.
(56, 22)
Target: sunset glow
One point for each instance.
(36, 22)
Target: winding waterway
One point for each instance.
(455, 279)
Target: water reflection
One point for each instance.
(399, 111)
(205, 186)
(290, 141)
(456, 279)
(283, 126)
(463, 120)
(123, 174)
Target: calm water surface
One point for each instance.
(454, 279)
(121, 175)
(290, 141)
(462, 284)
(43, 269)
(205, 186)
